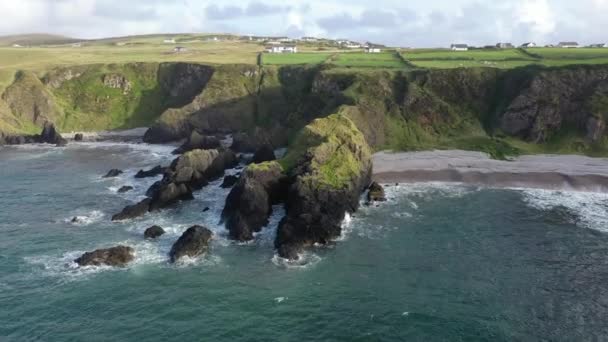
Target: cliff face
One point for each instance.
(562, 109)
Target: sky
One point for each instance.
(429, 23)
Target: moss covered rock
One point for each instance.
(330, 166)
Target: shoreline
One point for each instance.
(551, 172)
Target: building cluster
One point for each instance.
(565, 45)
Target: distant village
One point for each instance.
(281, 44)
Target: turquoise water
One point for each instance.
(436, 263)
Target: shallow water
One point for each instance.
(436, 262)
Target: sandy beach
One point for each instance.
(568, 172)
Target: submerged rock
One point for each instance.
(132, 211)
(124, 189)
(376, 193)
(194, 242)
(153, 172)
(115, 256)
(154, 232)
(113, 173)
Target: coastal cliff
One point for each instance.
(501, 112)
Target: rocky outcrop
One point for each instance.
(117, 81)
(376, 193)
(330, 166)
(115, 256)
(78, 137)
(263, 154)
(153, 172)
(187, 173)
(249, 204)
(124, 189)
(198, 141)
(30, 100)
(555, 99)
(50, 135)
(154, 232)
(192, 243)
(133, 211)
(113, 173)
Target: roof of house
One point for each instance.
(568, 43)
(460, 45)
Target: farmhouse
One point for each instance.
(568, 45)
(17, 46)
(179, 49)
(308, 39)
(598, 45)
(459, 47)
(504, 45)
(528, 45)
(287, 48)
(169, 41)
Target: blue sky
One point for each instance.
(400, 23)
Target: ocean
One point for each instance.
(437, 262)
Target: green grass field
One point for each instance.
(294, 58)
(375, 60)
(504, 59)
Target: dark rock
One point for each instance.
(595, 129)
(115, 256)
(263, 154)
(249, 204)
(169, 194)
(76, 219)
(113, 173)
(154, 232)
(50, 135)
(198, 141)
(124, 189)
(78, 137)
(194, 242)
(132, 211)
(376, 193)
(229, 181)
(206, 209)
(153, 172)
(290, 251)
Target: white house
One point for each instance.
(459, 47)
(568, 45)
(169, 41)
(598, 45)
(179, 49)
(77, 45)
(17, 46)
(373, 49)
(528, 45)
(308, 39)
(281, 48)
(504, 45)
(352, 45)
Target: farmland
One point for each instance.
(296, 58)
(358, 59)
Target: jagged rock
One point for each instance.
(170, 193)
(198, 141)
(376, 193)
(153, 172)
(229, 181)
(50, 135)
(117, 81)
(154, 232)
(78, 137)
(290, 251)
(124, 189)
(331, 168)
(113, 173)
(132, 211)
(263, 154)
(115, 256)
(249, 204)
(194, 242)
(206, 209)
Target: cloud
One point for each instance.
(253, 9)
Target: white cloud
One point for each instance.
(428, 23)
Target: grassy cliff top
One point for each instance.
(335, 149)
